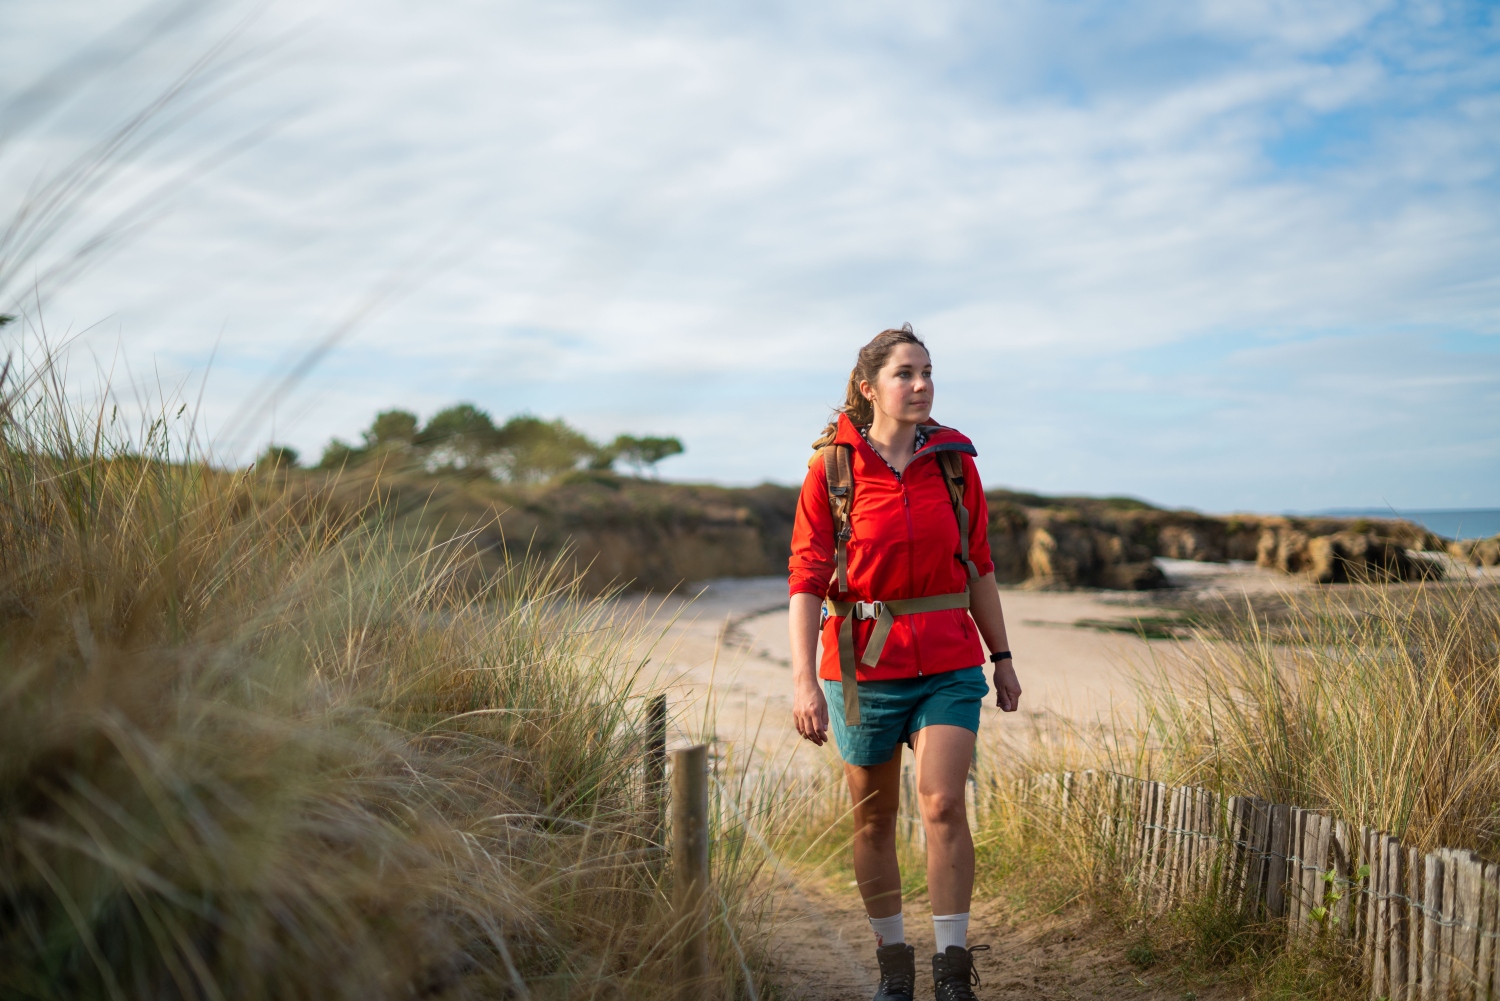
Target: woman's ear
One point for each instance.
(866, 390)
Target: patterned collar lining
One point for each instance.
(922, 432)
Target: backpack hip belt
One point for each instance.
(884, 613)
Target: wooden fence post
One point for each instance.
(1432, 938)
(1483, 930)
(690, 865)
(1343, 871)
(1257, 891)
(1445, 929)
(1295, 872)
(1413, 922)
(656, 764)
(1395, 912)
(1379, 893)
(1370, 862)
(1465, 937)
(1276, 864)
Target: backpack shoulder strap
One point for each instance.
(952, 465)
(840, 500)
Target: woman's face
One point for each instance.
(903, 386)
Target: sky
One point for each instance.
(1232, 255)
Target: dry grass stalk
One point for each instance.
(253, 749)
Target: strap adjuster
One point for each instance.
(868, 609)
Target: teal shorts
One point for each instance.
(891, 711)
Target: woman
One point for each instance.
(898, 570)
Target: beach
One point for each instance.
(722, 652)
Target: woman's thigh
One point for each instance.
(875, 789)
(944, 754)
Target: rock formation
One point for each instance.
(1055, 542)
(1476, 552)
(656, 535)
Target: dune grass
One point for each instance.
(1377, 702)
(1380, 703)
(252, 748)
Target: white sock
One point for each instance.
(950, 929)
(889, 931)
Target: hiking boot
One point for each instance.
(953, 975)
(898, 972)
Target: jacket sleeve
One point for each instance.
(813, 562)
(979, 519)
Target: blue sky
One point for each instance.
(1230, 255)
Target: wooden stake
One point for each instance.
(1370, 864)
(1294, 874)
(1451, 877)
(1276, 862)
(1379, 953)
(1395, 882)
(1413, 922)
(1257, 893)
(656, 765)
(1172, 848)
(1465, 939)
(1432, 938)
(1485, 966)
(1338, 918)
(690, 865)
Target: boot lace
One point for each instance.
(898, 982)
(953, 985)
(898, 979)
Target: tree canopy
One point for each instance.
(642, 454)
(463, 439)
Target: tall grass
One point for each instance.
(252, 746)
(1378, 702)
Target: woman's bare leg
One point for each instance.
(877, 794)
(944, 754)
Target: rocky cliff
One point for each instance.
(1111, 542)
(1476, 552)
(654, 535)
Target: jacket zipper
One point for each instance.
(911, 570)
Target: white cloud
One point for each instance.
(642, 203)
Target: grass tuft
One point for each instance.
(253, 748)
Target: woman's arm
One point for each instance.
(984, 605)
(809, 707)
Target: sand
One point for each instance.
(724, 648)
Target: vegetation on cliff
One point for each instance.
(463, 440)
(532, 486)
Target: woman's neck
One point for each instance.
(894, 440)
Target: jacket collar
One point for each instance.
(939, 438)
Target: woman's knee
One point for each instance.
(877, 826)
(944, 809)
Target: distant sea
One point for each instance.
(1478, 523)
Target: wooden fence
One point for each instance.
(1424, 925)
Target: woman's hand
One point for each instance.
(1007, 687)
(809, 707)
(810, 710)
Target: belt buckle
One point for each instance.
(868, 609)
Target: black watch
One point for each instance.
(998, 656)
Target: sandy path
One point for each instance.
(825, 952)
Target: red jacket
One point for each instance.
(903, 544)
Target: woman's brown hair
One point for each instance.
(871, 358)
